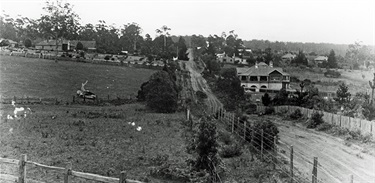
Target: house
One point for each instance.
(64, 45)
(263, 77)
(287, 58)
(8, 42)
(320, 59)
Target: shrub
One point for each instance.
(270, 131)
(230, 151)
(316, 119)
(266, 99)
(201, 95)
(269, 110)
(324, 127)
(296, 114)
(107, 57)
(225, 137)
(332, 74)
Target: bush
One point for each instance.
(107, 57)
(316, 119)
(296, 114)
(266, 99)
(332, 74)
(225, 137)
(324, 127)
(230, 151)
(269, 110)
(270, 131)
(201, 95)
(250, 108)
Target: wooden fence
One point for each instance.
(353, 124)
(67, 172)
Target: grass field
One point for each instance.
(95, 139)
(20, 76)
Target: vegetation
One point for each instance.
(332, 74)
(296, 114)
(266, 99)
(342, 93)
(229, 87)
(270, 131)
(316, 119)
(160, 93)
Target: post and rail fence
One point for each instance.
(68, 172)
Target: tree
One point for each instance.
(147, 46)
(163, 31)
(332, 63)
(181, 46)
(343, 94)
(59, 22)
(79, 46)
(372, 86)
(131, 36)
(206, 146)
(266, 99)
(230, 86)
(27, 43)
(269, 56)
(300, 59)
(161, 93)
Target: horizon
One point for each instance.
(328, 22)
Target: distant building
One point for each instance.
(8, 42)
(287, 58)
(64, 45)
(263, 76)
(320, 59)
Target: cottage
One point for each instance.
(287, 58)
(64, 45)
(263, 76)
(320, 59)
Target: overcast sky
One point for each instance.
(327, 21)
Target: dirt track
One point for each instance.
(336, 161)
(198, 83)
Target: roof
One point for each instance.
(321, 58)
(288, 55)
(260, 71)
(86, 44)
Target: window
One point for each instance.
(263, 78)
(243, 78)
(253, 78)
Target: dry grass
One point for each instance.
(102, 143)
(32, 77)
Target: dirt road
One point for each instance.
(198, 83)
(337, 162)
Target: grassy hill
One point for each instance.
(21, 76)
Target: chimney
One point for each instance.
(256, 64)
(271, 64)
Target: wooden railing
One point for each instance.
(67, 171)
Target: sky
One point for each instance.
(329, 21)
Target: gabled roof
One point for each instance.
(260, 71)
(321, 58)
(288, 55)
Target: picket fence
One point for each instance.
(67, 172)
(353, 124)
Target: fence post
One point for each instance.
(108, 97)
(22, 169)
(187, 114)
(122, 177)
(291, 164)
(315, 171)
(68, 171)
(275, 151)
(261, 144)
(244, 130)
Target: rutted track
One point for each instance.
(198, 83)
(337, 161)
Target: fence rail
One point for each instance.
(67, 171)
(353, 124)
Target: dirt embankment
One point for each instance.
(337, 161)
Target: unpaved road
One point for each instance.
(336, 161)
(198, 83)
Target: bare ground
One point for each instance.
(337, 161)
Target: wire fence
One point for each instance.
(295, 165)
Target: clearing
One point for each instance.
(41, 78)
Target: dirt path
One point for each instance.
(336, 161)
(198, 83)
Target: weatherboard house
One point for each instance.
(263, 77)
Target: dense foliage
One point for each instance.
(230, 90)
